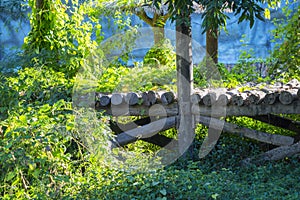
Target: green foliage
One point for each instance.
(214, 14)
(43, 145)
(46, 151)
(10, 95)
(208, 74)
(148, 78)
(111, 78)
(285, 57)
(33, 86)
(245, 71)
(192, 183)
(161, 54)
(50, 150)
(33, 152)
(39, 86)
(60, 37)
(34, 138)
(123, 79)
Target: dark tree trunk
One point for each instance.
(212, 45)
(39, 4)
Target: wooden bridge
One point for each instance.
(158, 111)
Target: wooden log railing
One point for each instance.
(205, 102)
(208, 106)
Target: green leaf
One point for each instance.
(163, 192)
(10, 175)
(214, 196)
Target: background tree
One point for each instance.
(155, 17)
(157, 21)
(214, 16)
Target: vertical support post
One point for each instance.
(184, 63)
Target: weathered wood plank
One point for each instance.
(279, 122)
(249, 110)
(184, 68)
(145, 131)
(278, 140)
(140, 110)
(278, 153)
(118, 128)
(157, 139)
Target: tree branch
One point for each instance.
(143, 16)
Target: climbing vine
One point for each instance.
(61, 35)
(285, 56)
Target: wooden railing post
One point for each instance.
(184, 65)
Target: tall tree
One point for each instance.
(215, 16)
(155, 16)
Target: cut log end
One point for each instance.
(223, 100)
(286, 97)
(195, 98)
(167, 98)
(104, 100)
(131, 98)
(117, 99)
(237, 100)
(209, 99)
(271, 98)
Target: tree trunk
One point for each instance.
(157, 24)
(159, 34)
(212, 45)
(184, 63)
(39, 4)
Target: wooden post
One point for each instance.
(184, 63)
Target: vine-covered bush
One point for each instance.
(61, 36)
(285, 57)
(42, 151)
